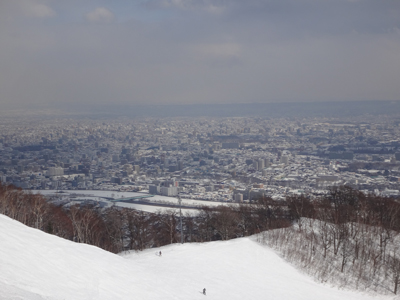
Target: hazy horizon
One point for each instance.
(333, 109)
(171, 52)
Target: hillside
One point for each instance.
(38, 266)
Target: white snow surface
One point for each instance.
(38, 266)
(97, 195)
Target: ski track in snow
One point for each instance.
(38, 266)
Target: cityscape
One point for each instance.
(226, 159)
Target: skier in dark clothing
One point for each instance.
(204, 291)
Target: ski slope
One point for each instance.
(38, 266)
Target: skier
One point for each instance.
(204, 291)
(160, 253)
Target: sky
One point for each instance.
(132, 52)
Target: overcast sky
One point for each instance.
(198, 51)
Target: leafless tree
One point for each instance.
(115, 224)
(165, 226)
(226, 222)
(139, 229)
(394, 269)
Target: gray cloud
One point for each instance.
(100, 14)
(26, 8)
(199, 51)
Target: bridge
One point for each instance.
(131, 198)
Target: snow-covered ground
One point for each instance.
(38, 266)
(156, 199)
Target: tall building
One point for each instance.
(284, 159)
(260, 164)
(154, 189)
(255, 165)
(267, 162)
(55, 171)
(238, 197)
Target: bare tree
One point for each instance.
(115, 223)
(84, 221)
(226, 222)
(166, 225)
(394, 269)
(139, 229)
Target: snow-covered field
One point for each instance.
(38, 266)
(157, 199)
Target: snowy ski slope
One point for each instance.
(38, 266)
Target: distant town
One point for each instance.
(235, 159)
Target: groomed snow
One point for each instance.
(38, 266)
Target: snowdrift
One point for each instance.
(37, 266)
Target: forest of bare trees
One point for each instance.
(118, 229)
(346, 237)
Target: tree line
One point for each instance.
(117, 229)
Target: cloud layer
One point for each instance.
(100, 14)
(204, 51)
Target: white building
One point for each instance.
(169, 191)
(55, 171)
